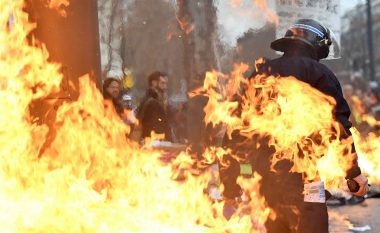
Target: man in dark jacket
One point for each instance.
(152, 112)
(304, 44)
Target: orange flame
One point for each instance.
(270, 15)
(284, 109)
(184, 23)
(60, 6)
(368, 151)
(90, 178)
(360, 112)
(241, 8)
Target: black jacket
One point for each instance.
(301, 65)
(153, 116)
(308, 70)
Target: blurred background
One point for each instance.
(188, 38)
(185, 39)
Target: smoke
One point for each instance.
(236, 17)
(146, 35)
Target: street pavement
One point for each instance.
(360, 215)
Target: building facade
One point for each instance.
(354, 40)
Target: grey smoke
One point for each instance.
(234, 21)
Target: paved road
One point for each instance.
(367, 213)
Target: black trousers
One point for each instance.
(283, 192)
(302, 218)
(293, 215)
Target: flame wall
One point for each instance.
(71, 36)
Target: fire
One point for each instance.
(91, 178)
(371, 120)
(184, 23)
(368, 146)
(368, 150)
(60, 6)
(284, 109)
(361, 112)
(103, 184)
(249, 7)
(270, 15)
(22, 80)
(131, 182)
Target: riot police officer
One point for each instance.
(304, 44)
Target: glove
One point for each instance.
(363, 184)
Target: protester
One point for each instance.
(152, 113)
(304, 44)
(111, 92)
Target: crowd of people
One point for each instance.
(154, 114)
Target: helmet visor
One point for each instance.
(335, 49)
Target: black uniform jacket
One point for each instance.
(300, 64)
